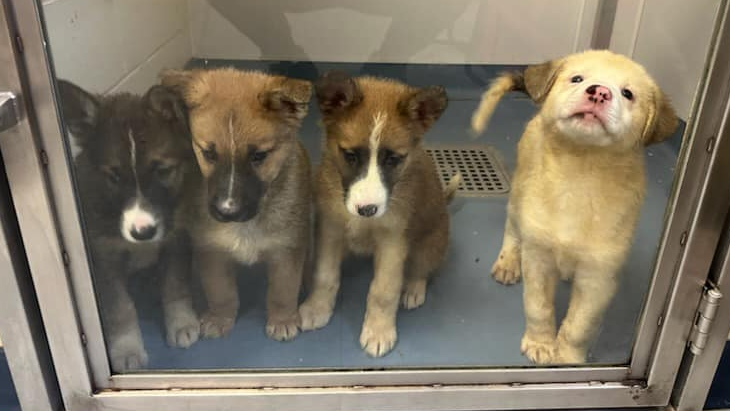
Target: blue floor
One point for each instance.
(468, 319)
(8, 399)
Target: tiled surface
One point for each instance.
(102, 44)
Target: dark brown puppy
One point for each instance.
(378, 194)
(134, 163)
(255, 203)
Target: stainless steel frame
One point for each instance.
(41, 185)
(24, 337)
(697, 371)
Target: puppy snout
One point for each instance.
(143, 232)
(598, 94)
(225, 209)
(367, 210)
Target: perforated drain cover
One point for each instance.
(482, 175)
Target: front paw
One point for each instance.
(569, 354)
(283, 329)
(314, 314)
(540, 351)
(414, 294)
(183, 329)
(378, 337)
(506, 270)
(127, 353)
(215, 325)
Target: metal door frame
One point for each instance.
(41, 184)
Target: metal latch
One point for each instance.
(9, 114)
(703, 320)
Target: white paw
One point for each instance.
(282, 330)
(378, 338)
(506, 269)
(314, 314)
(127, 353)
(183, 329)
(541, 351)
(414, 294)
(215, 326)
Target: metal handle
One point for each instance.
(9, 115)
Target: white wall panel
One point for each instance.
(417, 31)
(114, 44)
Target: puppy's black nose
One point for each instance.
(225, 209)
(143, 233)
(368, 210)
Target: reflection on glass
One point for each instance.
(242, 179)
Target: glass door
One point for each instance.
(307, 197)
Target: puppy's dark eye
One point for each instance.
(392, 159)
(350, 157)
(210, 154)
(576, 79)
(164, 172)
(112, 176)
(258, 157)
(627, 93)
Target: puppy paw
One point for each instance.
(183, 330)
(506, 270)
(569, 354)
(283, 329)
(314, 314)
(127, 353)
(378, 338)
(414, 294)
(539, 351)
(215, 326)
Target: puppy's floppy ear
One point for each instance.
(336, 93)
(289, 99)
(184, 83)
(424, 106)
(539, 79)
(165, 102)
(661, 120)
(79, 109)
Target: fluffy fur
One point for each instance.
(378, 194)
(577, 190)
(134, 163)
(254, 204)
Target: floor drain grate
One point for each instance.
(481, 173)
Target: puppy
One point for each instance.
(255, 202)
(377, 193)
(133, 165)
(577, 190)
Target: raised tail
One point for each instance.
(504, 83)
(452, 186)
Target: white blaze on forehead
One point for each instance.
(133, 156)
(135, 217)
(370, 190)
(229, 197)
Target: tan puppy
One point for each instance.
(378, 194)
(255, 201)
(577, 190)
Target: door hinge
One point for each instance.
(704, 318)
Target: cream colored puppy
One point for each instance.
(577, 190)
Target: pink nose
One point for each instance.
(598, 94)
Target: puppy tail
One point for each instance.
(452, 186)
(504, 83)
